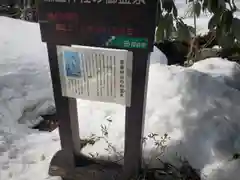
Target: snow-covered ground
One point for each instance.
(198, 107)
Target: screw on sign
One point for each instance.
(112, 24)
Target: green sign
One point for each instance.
(128, 42)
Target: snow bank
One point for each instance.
(198, 112)
(24, 73)
(25, 93)
(222, 70)
(198, 107)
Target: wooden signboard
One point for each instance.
(121, 24)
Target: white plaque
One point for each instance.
(97, 74)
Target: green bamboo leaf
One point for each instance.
(226, 20)
(226, 40)
(167, 5)
(158, 13)
(205, 5)
(197, 9)
(169, 26)
(221, 4)
(213, 6)
(168, 19)
(160, 32)
(175, 11)
(236, 28)
(191, 29)
(213, 22)
(183, 31)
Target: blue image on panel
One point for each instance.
(73, 64)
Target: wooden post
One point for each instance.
(66, 113)
(134, 120)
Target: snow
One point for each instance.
(21, 65)
(221, 70)
(25, 93)
(197, 106)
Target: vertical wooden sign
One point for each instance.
(120, 24)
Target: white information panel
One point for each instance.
(97, 74)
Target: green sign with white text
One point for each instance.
(128, 42)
